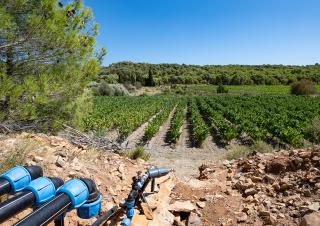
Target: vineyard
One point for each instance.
(277, 120)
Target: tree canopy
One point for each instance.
(46, 58)
(211, 74)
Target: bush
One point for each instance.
(138, 153)
(313, 130)
(138, 85)
(222, 89)
(105, 89)
(131, 88)
(303, 87)
(119, 90)
(112, 90)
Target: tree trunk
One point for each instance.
(10, 61)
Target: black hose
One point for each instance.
(105, 216)
(35, 171)
(4, 187)
(21, 202)
(16, 204)
(47, 212)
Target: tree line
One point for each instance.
(209, 74)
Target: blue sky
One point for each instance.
(209, 31)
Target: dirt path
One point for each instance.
(134, 139)
(159, 140)
(184, 158)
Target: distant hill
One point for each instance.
(209, 74)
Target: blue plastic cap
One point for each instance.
(126, 222)
(89, 210)
(130, 212)
(43, 189)
(18, 177)
(77, 191)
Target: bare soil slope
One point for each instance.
(281, 188)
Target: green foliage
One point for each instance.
(313, 130)
(154, 125)
(149, 80)
(123, 113)
(81, 107)
(303, 87)
(199, 129)
(222, 89)
(213, 74)
(177, 122)
(225, 130)
(283, 117)
(105, 89)
(138, 153)
(47, 56)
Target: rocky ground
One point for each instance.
(282, 188)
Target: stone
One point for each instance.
(275, 167)
(38, 159)
(31, 163)
(121, 169)
(194, 220)
(267, 217)
(60, 162)
(268, 179)
(207, 198)
(250, 191)
(201, 204)
(72, 174)
(241, 217)
(147, 211)
(177, 221)
(314, 206)
(182, 206)
(312, 219)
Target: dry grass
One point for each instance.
(239, 151)
(17, 155)
(138, 153)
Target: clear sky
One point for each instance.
(209, 31)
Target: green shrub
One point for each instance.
(81, 107)
(105, 89)
(313, 130)
(138, 153)
(303, 87)
(119, 90)
(131, 88)
(222, 89)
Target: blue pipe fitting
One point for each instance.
(43, 190)
(89, 210)
(126, 222)
(18, 177)
(130, 212)
(77, 191)
(130, 208)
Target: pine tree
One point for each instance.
(149, 80)
(46, 58)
